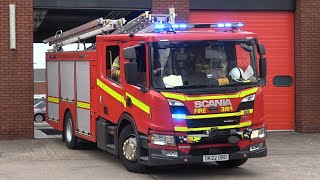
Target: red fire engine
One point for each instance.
(179, 95)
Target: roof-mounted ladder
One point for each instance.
(140, 24)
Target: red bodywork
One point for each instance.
(159, 118)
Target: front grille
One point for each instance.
(209, 122)
(208, 151)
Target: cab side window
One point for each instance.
(113, 63)
(141, 65)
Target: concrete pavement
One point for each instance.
(291, 156)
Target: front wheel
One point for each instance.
(231, 163)
(70, 138)
(128, 150)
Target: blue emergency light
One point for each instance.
(185, 26)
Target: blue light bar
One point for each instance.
(175, 26)
(240, 24)
(183, 25)
(220, 25)
(159, 26)
(228, 25)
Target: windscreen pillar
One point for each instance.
(307, 62)
(181, 8)
(16, 69)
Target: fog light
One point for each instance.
(255, 147)
(169, 153)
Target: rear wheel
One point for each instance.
(231, 163)
(70, 138)
(128, 150)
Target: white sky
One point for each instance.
(39, 53)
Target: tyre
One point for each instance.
(232, 163)
(68, 133)
(38, 118)
(128, 150)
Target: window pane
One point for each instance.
(141, 65)
(113, 63)
(282, 81)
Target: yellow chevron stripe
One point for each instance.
(186, 129)
(243, 112)
(231, 96)
(139, 104)
(53, 99)
(83, 105)
(111, 92)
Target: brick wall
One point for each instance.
(307, 44)
(16, 72)
(181, 7)
(39, 87)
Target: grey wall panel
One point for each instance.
(67, 79)
(83, 80)
(53, 110)
(96, 4)
(83, 117)
(53, 78)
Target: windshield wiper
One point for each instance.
(190, 86)
(239, 84)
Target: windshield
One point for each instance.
(201, 64)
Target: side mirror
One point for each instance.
(261, 49)
(131, 73)
(130, 53)
(263, 67)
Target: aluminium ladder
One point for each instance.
(140, 24)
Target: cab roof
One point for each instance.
(180, 35)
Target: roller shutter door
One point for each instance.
(275, 30)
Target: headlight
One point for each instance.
(248, 98)
(162, 140)
(175, 103)
(258, 134)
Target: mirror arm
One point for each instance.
(144, 89)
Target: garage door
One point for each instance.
(275, 30)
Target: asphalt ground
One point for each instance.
(290, 156)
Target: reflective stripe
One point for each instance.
(111, 92)
(83, 105)
(53, 99)
(186, 129)
(248, 92)
(231, 96)
(83, 133)
(115, 66)
(243, 112)
(121, 99)
(52, 119)
(139, 104)
(174, 96)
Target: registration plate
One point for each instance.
(217, 157)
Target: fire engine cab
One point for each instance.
(154, 92)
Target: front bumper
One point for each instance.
(156, 158)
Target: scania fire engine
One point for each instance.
(183, 93)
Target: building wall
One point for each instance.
(307, 44)
(16, 72)
(181, 7)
